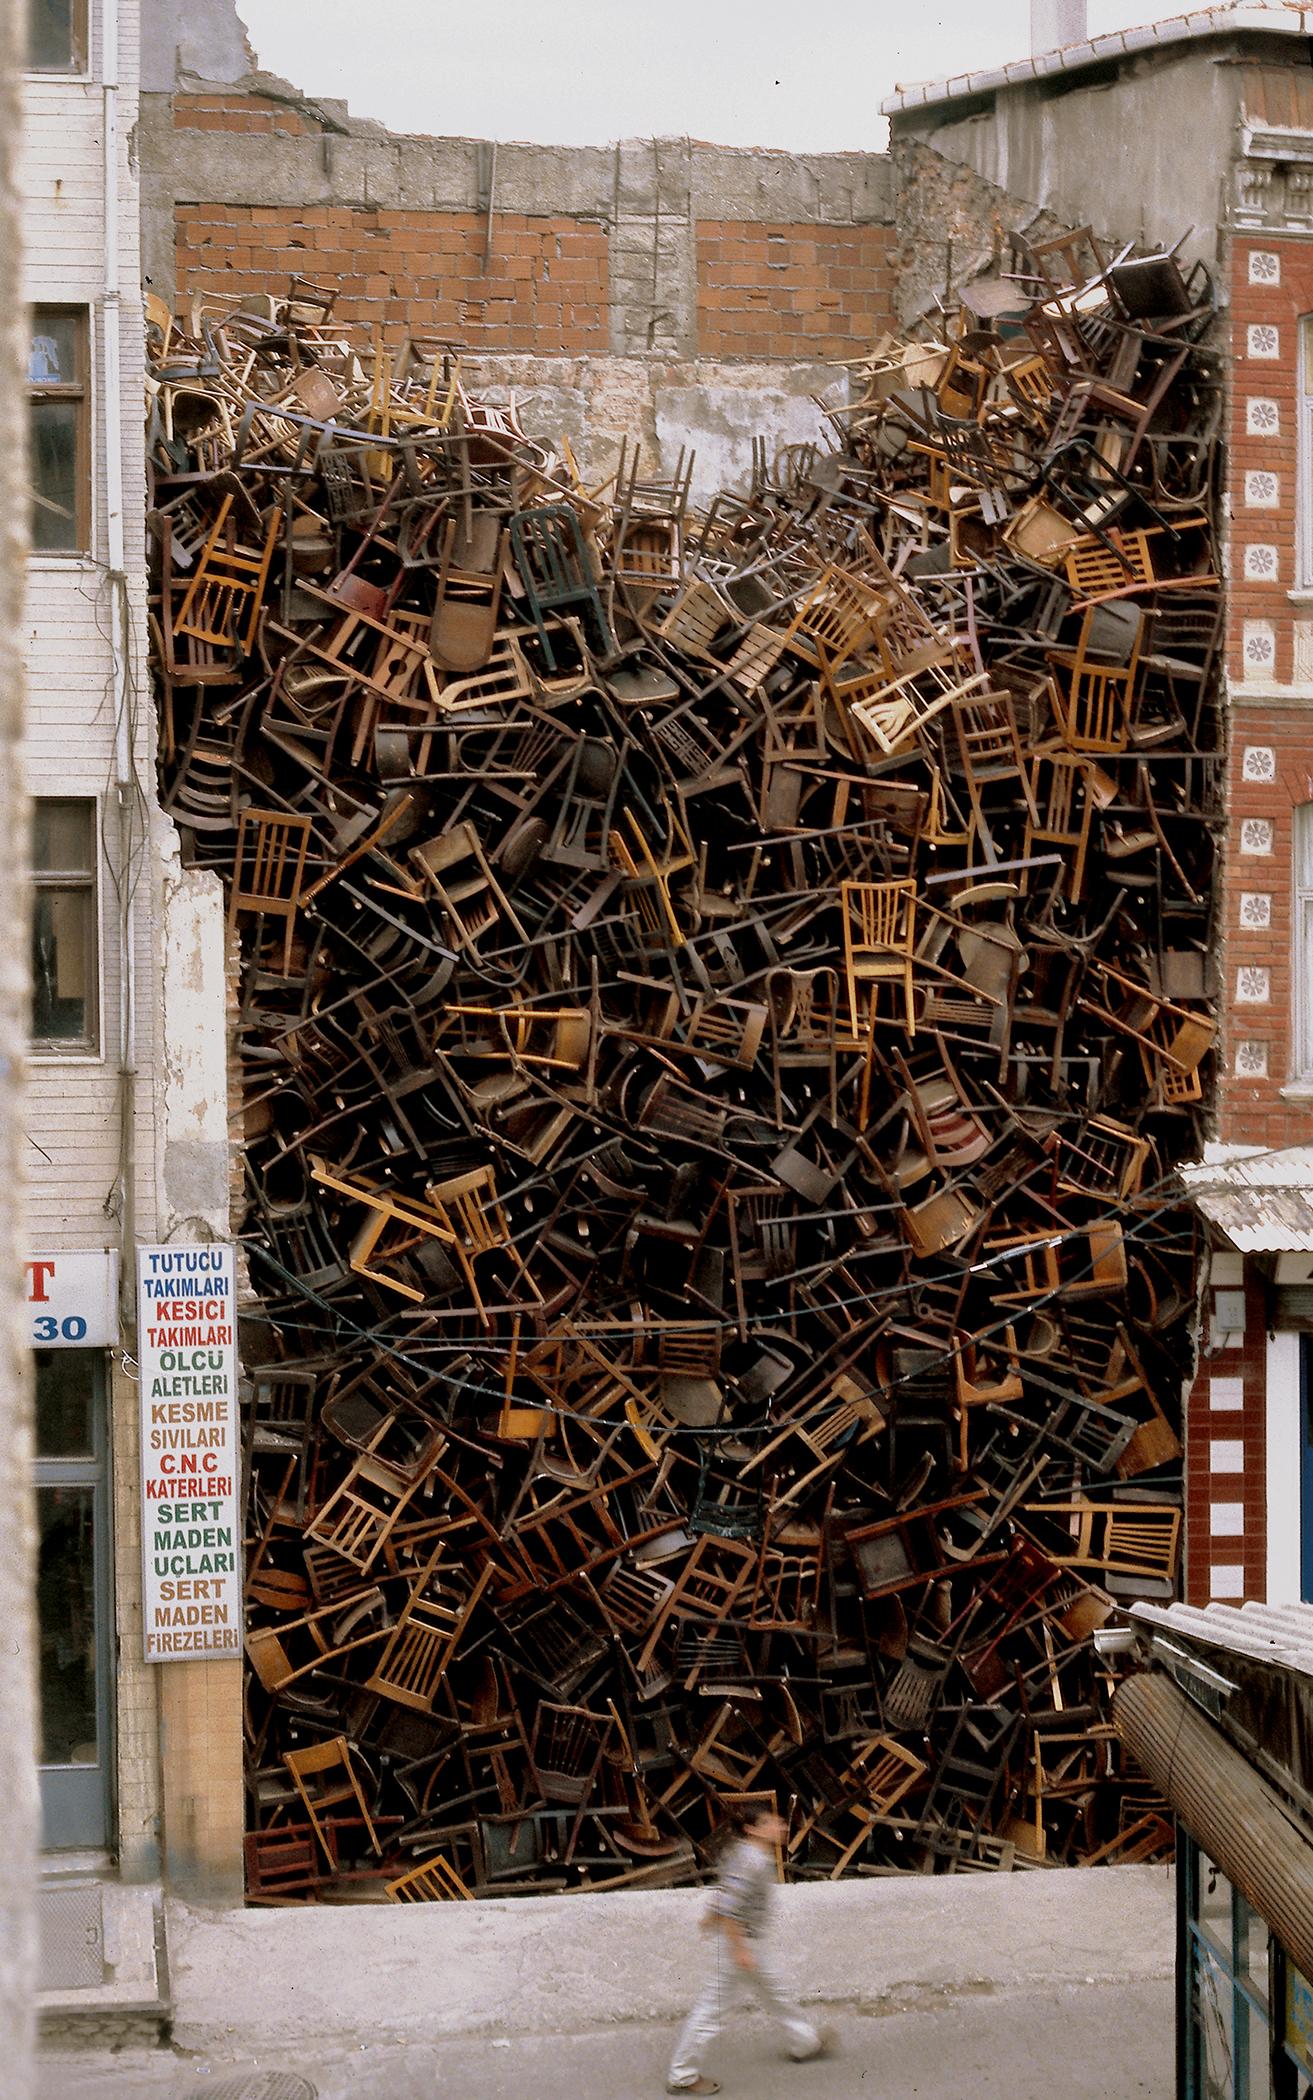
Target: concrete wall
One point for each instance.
(663, 289)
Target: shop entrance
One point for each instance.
(74, 1599)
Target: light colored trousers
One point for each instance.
(721, 1979)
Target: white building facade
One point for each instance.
(127, 1124)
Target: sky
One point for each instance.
(806, 75)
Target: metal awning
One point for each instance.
(1262, 1202)
(1281, 1634)
(1239, 1819)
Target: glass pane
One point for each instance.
(1215, 1906)
(1299, 2018)
(55, 355)
(1259, 2083)
(54, 467)
(51, 46)
(1252, 1941)
(65, 1403)
(1303, 856)
(63, 841)
(1213, 1996)
(61, 1003)
(66, 1612)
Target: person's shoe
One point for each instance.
(700, 2085)
(825, 2039)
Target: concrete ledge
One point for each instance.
(317, 1976)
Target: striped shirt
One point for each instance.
(743, 1891)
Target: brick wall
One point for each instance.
(1270, 673)
(1271, 286)
(544, 288)
(1226, 1465)
(1270, 773)
(796, 291)
(252, 113)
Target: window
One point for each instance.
(74, 1610)
(1302, 939)
(64, 916)
(58, 436)
(56, 36)
(1248, 2013)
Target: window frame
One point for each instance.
(1301, 943)
(78, 64)
(91, 1471)
(88, 1048)
(79, 393)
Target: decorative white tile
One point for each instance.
(1259, 641)
(1264, 267)
(1259, 762)
(1226, 1579)
(1262, 489)
(1263, 340)
(1261, 563)
(1253, 985)
(1224, 1393)
(1226, 1520)
(1250, 1060)
(1262, 416)
(1255, 909)
(1303, 659)
(1256, 835)
(1226, 1455)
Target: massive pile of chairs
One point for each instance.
(720, 998)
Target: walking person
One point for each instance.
(735, 1927)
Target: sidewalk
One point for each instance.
(1038, 1986)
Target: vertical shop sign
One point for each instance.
(191, 1543)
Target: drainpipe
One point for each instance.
(126, 790)
(1054, 23)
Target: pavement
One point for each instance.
(1036, 1986)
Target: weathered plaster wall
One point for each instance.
(1143, 155)
(951, 223)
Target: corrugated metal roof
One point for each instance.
(1262, 1201)
(1277, 19)
(1268, 1221)
(1276, 1633)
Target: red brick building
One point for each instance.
(1196, 134)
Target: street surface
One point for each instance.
(1092, 2042)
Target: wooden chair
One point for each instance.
(1137, 1542)
(395, 1225)
(1065, 789)
(223, 601)
(1094, 701)
(290, 1649)
(714, 1576)
(269, 870)
(432, 1881)
(879, 942)
(358, 1517)
(324, 1775)
(413, 1666)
